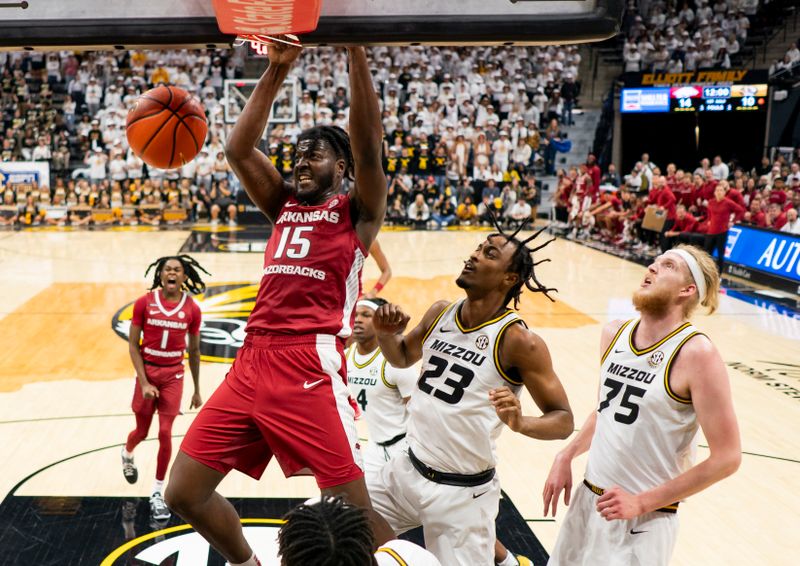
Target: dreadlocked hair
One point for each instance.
(327, 533)
(194, 283)
(522, 262)
(338, 139)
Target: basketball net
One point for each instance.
(261, 22)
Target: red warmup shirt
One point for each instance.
(736, 197)
(688, 224)
(777, 196)
(684, 192)
(706, 191)
(719, 213)
(595, 174)
(312, 271)
(165, 326)
(666, 199)
(779, 221)
(758, 219)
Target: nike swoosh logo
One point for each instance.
(308, 385)
(290, 204)
(618, 351)
(637, 532)
(477, 495)
(179, 376)
(154, 312)
(446, 330)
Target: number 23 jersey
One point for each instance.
(452, 424)
(312, 271)
(645, 433)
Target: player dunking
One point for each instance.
(162, 319)
(286, 393)
(659, 380)
(477, 356)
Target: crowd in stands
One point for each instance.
(466, 131)
(789, 66)
(696, 206)
(673, 37)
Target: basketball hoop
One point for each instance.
(261, 22)
(260, 43)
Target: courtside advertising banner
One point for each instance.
(24, 173)
(758, 251)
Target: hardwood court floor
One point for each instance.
(65, 377)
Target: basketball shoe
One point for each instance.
(158, 508)
(129, 468)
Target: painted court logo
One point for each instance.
(225, 309)
(187, 548)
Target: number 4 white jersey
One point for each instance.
(645, 433)
(452, 424)
(379, 389)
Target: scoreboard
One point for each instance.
(695, 98)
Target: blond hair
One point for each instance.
(711, 275)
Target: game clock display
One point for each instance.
(695, 98)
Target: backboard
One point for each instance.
(50, 24)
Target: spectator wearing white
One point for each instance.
(118, 168)
(205, 169)
(792, 225)
(189, 170)
(134, 166)
(501, 148)
(93, 97)
(521, 156)
(720, 169)
(42, 150)
(418, 211)
(96, 160)
(53, 66)
(113, 97)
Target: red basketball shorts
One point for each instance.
(285, 396)
(169, 381)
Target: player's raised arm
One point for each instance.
(366, 135)
(261, 180)
(390, 322)
(528, 354)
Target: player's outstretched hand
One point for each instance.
(559, 478)
(196, 401)
(390, 319)
(282, 53)
(507, 407)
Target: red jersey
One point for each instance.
(312, 271)
(688, 224)
(719, 213)
(165, 326)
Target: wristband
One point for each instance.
(378, 286)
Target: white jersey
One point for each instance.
(379, 389)
(645, 433)
(399, 552)
(452, 424)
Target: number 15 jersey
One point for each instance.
(312, 271)
(645, 433)
(452, 424)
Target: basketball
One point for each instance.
(167, 127)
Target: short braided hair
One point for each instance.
(194, 283)
(522, 262)
(330, 532)
(338, 139)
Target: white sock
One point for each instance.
(252, 561)
(510, 560)
(126, 454)
(158, 486)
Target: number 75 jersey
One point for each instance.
(645, 432)
(452, 424)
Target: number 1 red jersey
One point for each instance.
(164, 326)
(312, 271)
